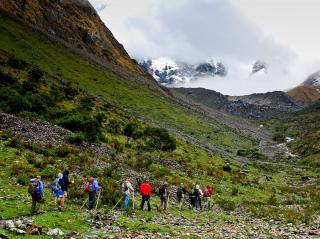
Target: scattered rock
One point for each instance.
(55, 232)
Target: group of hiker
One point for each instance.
(194, 197)
(59, 188)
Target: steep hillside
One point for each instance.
(255, 106)
(74, 22)
(305, 93)
(130, 91)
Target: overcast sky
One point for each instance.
(284, 33)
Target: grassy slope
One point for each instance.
(233, 188)
(304, 128)
(151, 103)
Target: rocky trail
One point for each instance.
(204, 224)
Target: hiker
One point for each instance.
(145, 191)
(64, 182)
(207, 193)
(192, 197)
(58, 193)
(36, 191)
(181, 192)
(198, 194)
(126, 192)
(92, 187)
(164, 196)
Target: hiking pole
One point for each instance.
(133, 200)
(84, 203)
(98, 200)
(116, 204)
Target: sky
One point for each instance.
(283, 33)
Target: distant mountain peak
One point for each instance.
(259, 66)
(168, 71)
(313, 79)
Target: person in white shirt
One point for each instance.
(126, 192)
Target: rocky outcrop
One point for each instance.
(255, 106)
(44, 134)
(75, 22)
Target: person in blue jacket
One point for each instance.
(58, 193)
(92, 187)
(36, 190)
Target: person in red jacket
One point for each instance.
(145, 191)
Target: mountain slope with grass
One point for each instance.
(74, 23)
(61, 109)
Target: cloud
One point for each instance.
(195, 30)
(192, 31)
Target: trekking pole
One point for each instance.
(133, 200)
(98, 200)
(116, 204)
(84, 203)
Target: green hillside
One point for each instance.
(303, 128)
(144, 99)
(44, 81)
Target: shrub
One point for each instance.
(132, 130)
(82, 122)
(7, 79)
(86, 103)
(227, 168)
(141, 162)
(64, 150)
(16, 63)
(48, 173)
(76, 138)
(272, 200)
(159, 139)
(235, 191)
(23, 178)
(226, 203)
(35, 75)
(12, 101)
(19, 168)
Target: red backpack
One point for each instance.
(88, 187)
(145, 189)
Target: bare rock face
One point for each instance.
(75, 22)
(254, 106)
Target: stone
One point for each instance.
(9, 224)
(55, 232)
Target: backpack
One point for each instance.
(32, 189)
(55, 186)
(124, 188)
(145, 189)
(197, 193)
(179, 192)
(206, 193)
(88, 187)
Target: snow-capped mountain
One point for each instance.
(259, 67)
(168, 72)
(313, 79)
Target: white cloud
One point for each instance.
(194, 30)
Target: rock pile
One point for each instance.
(22, 226)
(37, 132)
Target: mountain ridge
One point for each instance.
(74, 22)
(254, 106)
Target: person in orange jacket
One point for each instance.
(145, 191)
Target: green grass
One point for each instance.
(128, 93)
